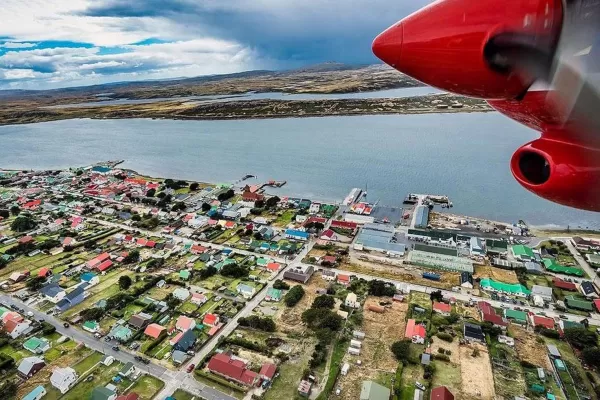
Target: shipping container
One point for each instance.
(376, 308)
(431, 276)
(355, 343)
(353, 351)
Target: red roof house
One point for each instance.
(130, 396)
(250, 196)
(273, 266)
(150, 244)
(128, 238)
(441, 393)
(210, 319)
(154, 330)
(495, 319)
(442, 308)
(415, 332)
(267, 371)
(184, 323)
(44, 272)
(597, 303)
(343, 279)
(344, 225)
(329, 259)
(141, 242)
(103, 257)
(25, 239)
(105, 265)
(545, 322)
(235, 370)
(176, 339)
(197, 249)
(564, 285)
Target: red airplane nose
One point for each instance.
(444, 44)
(388, 45)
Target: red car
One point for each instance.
(191, 367)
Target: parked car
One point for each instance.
(97, 335)
(191, 367)
(66, 325)
(107, 338)
(419, 385)
(338, 391)
(562, 316)
(116, 348)
(29, 314)
(145, 361)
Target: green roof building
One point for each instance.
(91, 326)
(374, 391)
(273, 294)
(508, 288)
(579, 304)
(519, 317)
(102, 393)
(184, 274)
(37, 345)
(496, 246)
(522, 252)
(121, 333)
(552, 265)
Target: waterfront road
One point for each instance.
(171, 378)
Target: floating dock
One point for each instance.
(352, 196)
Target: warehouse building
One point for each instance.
(440, 260)
(379, 237)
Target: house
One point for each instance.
(425, 359)
(30, 366)
(18, 276)
(129, 396)
(138, 321)
(343, 279)
(488, 314)
(184, 274)
(210, 319)
(273, 294)
(328, 234)
(154, 330)
(181, 293)
(246, 291)
(198, 299)
(72, 298)
(296, 235)
(121, 333)
(564, 285)
(185, 341)
(374, 391)
(522, 253)
(588, 289)
(300, 273)
(53, 293)
(44, 272)
(103, 393)
(441, 393)
(16, 327)
(90, 278)
(232, 369)
(35, 394)
(578, 304)
(544, 322)
(37, 345)
(273, 266)
(442, 308)
(266, 232)
(518, 317)
(507, 340)
(553, 351)
(466, 280)
(304, 388)
(267, 371)
(184, 323)
(328, 261)
(351, 301)
(91, 326)
(473, 332)
(585, 244)
(328, 275)
(25, 240)
(252, 197)
(544, 292)
(128, 370)
(179, 357)
(415, 332)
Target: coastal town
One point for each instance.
(119, 286)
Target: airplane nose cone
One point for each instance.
(388, 45)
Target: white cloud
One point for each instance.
(17, 45)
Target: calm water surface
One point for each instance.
(465, 156)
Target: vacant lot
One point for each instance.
(378, 362)
(497, 274)
(528, 348)
(147, 387)
(289, 319)
(476, 372)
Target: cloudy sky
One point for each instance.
(57, 43)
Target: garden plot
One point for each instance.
(476, 372)
(528, 348)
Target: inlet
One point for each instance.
(534, 167)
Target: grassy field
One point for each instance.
(210, 305)
(410, 374)
(101, 376)
(216, 385)
(147, 387)
(87, 363)
(568, 356)
(183, 395)
(285, 218)
(17, 353)
(447, 374)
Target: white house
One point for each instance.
(198, 298)
(246, 290)
(63, 379)
(328, 275)
(506, 340)
(351, 301)
(181, 294)
(16, 328)
(53, 293)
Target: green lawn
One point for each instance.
(147, 387)
(411, 374)
(17, 353)
(183, 395)
(337, 355)
(188, 307)
(447, 374)
(101, 376)
(87, 363)
(220, 387)
(210, 305)
(285, 218)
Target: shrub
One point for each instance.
(401, 350)
(441, 351)
(281, 285)
(442, 357)
(292, 297)
(445, 337)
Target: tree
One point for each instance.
(23, 223)
(36, 283)
(15, 210)
(161, 195)
(323, 301)
(207, 272)
(8, 389)
(226, 195)
(272, 201)
(3, 263)
(318, 226)
(136, 217)
(4, 213)
(294, 295)
(178, 206)
(591, 356)
(150, 192)
(320, 318)
(401, 350)
(132, 257)
(259, 203)
(381, 288)
(257, 236)
(49, 244)
(436, 295)
(124, 282)
(194, 186)
(254, 321)
(279, 284)
(206, 207)
(234, 271)
(92, 314)
(580, 338)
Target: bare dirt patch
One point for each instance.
(400, 272)
(453, 347)
(497, 274)
(476, 372)
(289, 319)
(254, 358)
(528, 348)
(378, 362)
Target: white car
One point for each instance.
(419, 385)
(338, 391)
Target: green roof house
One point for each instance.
(374, 391)
(273, 294)
(262, 262)
(552, 265)
(103, 393)
(91, 326)
(519, 317)
(37, 345)
(508, 288)
(579, 304)
(184, 274)
(121, 333)
(522, 252)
